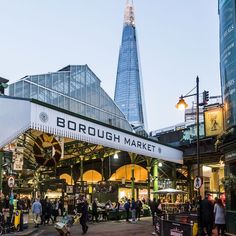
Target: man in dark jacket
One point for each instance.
(206, 216)
(95, 210)
(153, 207)
(127, 207)
(139, 207)
(84, 215)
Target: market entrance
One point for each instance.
(51, 142)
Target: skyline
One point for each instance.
(46, 36)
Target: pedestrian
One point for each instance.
(153, 207)
(84, 215)
(55, 209)
(127, 207)
(117, 207)
(158, 208)
(133, 210)
(61, 206)
(207, 216)
(43, 204)
(139, 207)
(219, 211)
(48, 215)
(95, 210)
(37, 211)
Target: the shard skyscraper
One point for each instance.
(128, 91)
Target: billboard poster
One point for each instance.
(213, 122)
(228, 59)
(18, 159)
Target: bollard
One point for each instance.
(155, 221)
(161, 226)
(191, 224)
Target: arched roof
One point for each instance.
(124, 172)
(92, 176)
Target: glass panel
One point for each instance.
(48, 81)
(34, 91)
(26, 89)
(19, 89)
(55, 82)
(11, 90)
(34, 79)
(48, 96)
(66, 83)
(67, 104)
(54, 99)
(42, 80)
(41, 95)
(61, 83)
(61, 101)
(72, 106)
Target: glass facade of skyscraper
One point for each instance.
(74, 88)
(128, 91)
(227, 16)
(228, 59)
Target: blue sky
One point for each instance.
(178, 40)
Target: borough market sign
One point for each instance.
(30, 114)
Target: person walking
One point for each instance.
(127, 207)
(37, 211)
(207, 216)
(158, 208)
(219, 211)
(117, 207)
(43, 204)
(153, 207)
(55, 209)
(95, 210)
(139, 207)
(84, 215)
(133, 210)
(48, 215)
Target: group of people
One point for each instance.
(10, 204)
(135, 207)
(212, 213)
(45, 210)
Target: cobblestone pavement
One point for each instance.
(111, 228)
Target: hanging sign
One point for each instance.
(197, 182)
(11, 181)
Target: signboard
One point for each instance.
(176, 229)
(213, 121)
(81, 187)
(11, 181)
(31, 115)
(65, 125)
(18, 159)
(197, 182)
(69, 189)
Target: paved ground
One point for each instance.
(111, 228)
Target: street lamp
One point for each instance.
(182, 105)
